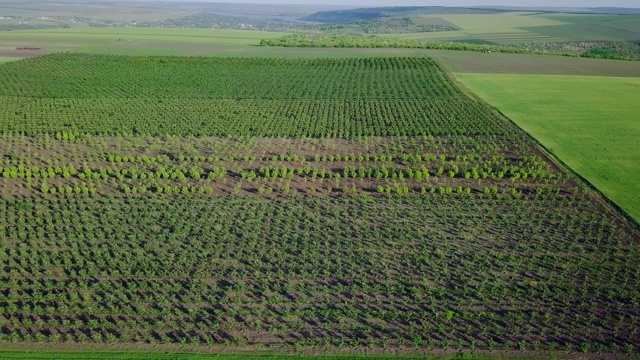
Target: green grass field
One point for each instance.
(133, 41)
(499, 63)
(509, 20)
(590, 123)
(588, 18)
(585, 27)
(237, 43)
(585, 32)
(518, 27)
(498, 28)
(494, 28)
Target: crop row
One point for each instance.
(282, 180)
(67, 93)
(555, 272)
(262, 118)
(278, 171)
(21, 168)
(73, 147)
(77, 76)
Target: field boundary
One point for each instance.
(602, 196)
(123, 352)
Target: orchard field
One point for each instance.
(237, 97)
(324, 205)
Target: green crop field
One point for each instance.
(521, 27)
(499, 28)
(624, 22)
(585, 32)
(574, 27)
(590, 123)
(131, 41)
(174, 193)
(309, 206)
(500, 63)
(630, 25)
(589, 18)
(230, 43)
(491, 35)
(509, 20)
(361, 97)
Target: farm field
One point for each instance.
(590, 27)
(366, 206)
(358, 97)
(493, 28)
(588, 122)
(500, 63)
(131, 41)
(167, 42)
(183, 43)
(497, 28)
(587, 32)
(522, 27)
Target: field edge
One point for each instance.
(552, 156)
(42, 351)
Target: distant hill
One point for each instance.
(342, 16)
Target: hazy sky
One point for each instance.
(557, 3)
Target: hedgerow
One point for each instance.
(618, 50)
